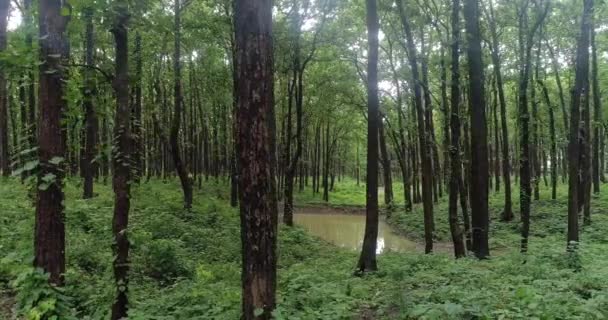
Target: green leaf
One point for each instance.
(49, 178)
(65, 11)
(56, 160)
(258, 312)
(30, 165)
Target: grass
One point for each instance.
(186, 265)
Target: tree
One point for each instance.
(455, 165)
(527, 38)
(121, 157)
(507, 213)
(597, 115)
(423, 135)
(479, 143)
(255, 143)
(180, 166)
(4, 152)
(49, 238)
(89, 165)
(580, 97)
(367, 260)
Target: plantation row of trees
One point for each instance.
(274, 97)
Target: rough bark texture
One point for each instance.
(455, 165)
(89, 167)
(4, 152)
(367, 260)
(479, 144)
(580, 94)
(121, 162)
(256, 157)
(180, 166)
(423, 136)
(49, 239)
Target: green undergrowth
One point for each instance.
(186, 265)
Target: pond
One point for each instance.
(346, 231)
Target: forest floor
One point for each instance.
(185, 265)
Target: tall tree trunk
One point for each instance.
(180, 166)
(479, 143)
(455, 165)
(554, 160)
(562, 101)
(597, 115)
(386, 165)
(525, 172)
(580, 97)
(297, 90)
(121, 161)
(4, 152)
(137, 112)
(49, 236)
(496, 139)
(429, 123)
(326, 157)
(367, 260)
(507, 213)
(89, 166)
(535, 149)
(423, 135)
(256, 157)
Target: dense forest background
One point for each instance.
(156, 156)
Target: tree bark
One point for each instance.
(49, 236)
(367, 260)
(180, 166)
(479, 144)
(89, 166)
(455, 165)
(121, 165)
(580, 96)
(256, 157)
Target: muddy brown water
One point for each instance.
(345, 228)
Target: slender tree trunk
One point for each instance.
(367, 260)
(28, 22)
(49, 239)
(554, 160)
(386, 165)
(455, 165)
(256, 157)
(137, 122)
(180, 166)
(4, 152)
(580, 96)
(507, 213)
(597, 115)
(496, 140)
(326, 157)
(423, 135)
(479, 144)
(89, 166)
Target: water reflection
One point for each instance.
(345, 230)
